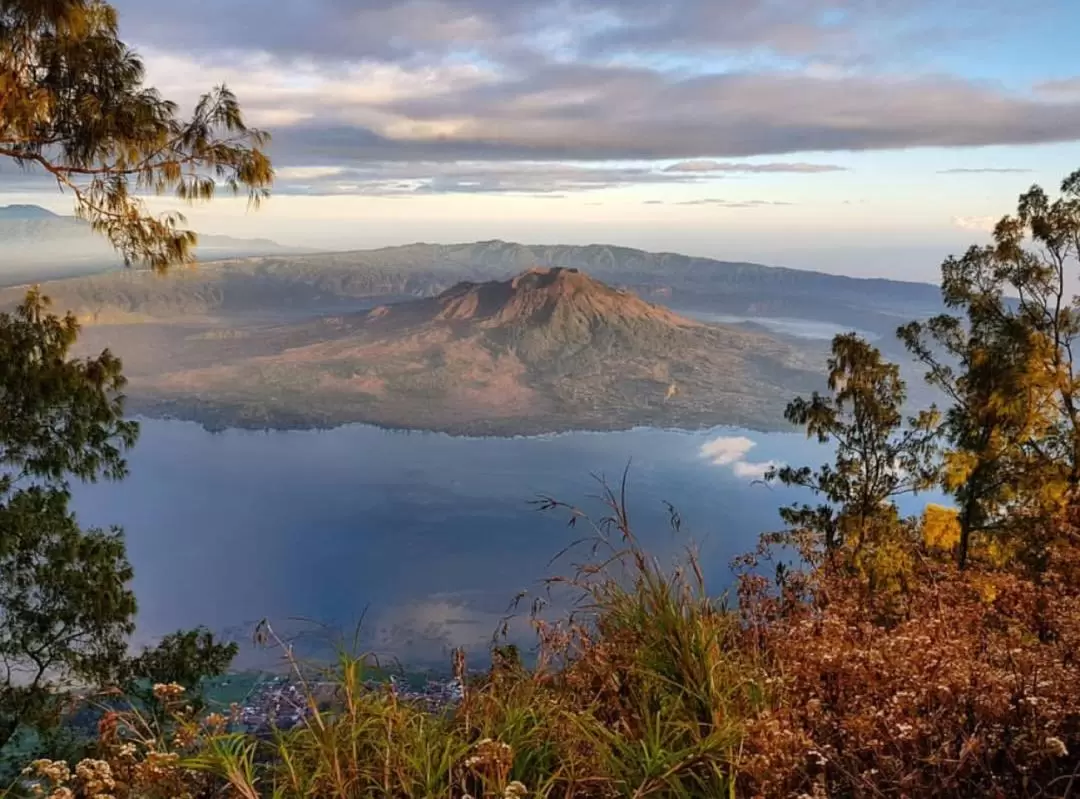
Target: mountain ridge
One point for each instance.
(266, 283)
(37, 244)
(26, 211)
(544, 252)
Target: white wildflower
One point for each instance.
(1056, 747)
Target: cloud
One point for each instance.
(985, 171)
(721, 166)
(603, 113)
(983, 224)
(393, 97)
(734, 203)
(349, 81)
(731, 451)
(1062, 89)
(426, 629)
(817, 30)
(727, 450)
(402, 179)
(752, 471)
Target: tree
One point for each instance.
(1006, 363)
(73, 105)
(65, 606)
(186, 658)
(879, 454)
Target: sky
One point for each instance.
(864, 137)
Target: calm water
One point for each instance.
(433, 535)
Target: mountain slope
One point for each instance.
(551, 349)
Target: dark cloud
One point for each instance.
(990, 170)
(586, 113)
(512, 30)
(398, 30)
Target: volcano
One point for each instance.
(550, 349)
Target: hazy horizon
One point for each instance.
(852, 137)
(899, 260)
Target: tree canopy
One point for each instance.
(66, 608)
(1005, 360)
(73, 105)
(879, 454)
(1008, 438)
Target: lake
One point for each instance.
(433, 535)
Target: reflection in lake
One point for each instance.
(432, 534)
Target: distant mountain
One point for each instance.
(26, 212)
(332, 281)
(550, 349)
(36, 244)
(693, 282)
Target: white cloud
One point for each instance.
(984, 224)
(732, 451)
(708, 165)
(752, 471)
(726, 450)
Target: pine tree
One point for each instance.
(1005, 361)
(73, 106)
(880, 455)
(66, 608)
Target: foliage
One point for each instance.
(973, 692)
(1006, 363)
(940, 528)
(65, 606)
(73, 105)
(879, 667)
(879, 455)
(186, 658)
(60, 416)
(653, 688)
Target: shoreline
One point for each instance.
(537, 428)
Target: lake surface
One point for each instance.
(433, 535)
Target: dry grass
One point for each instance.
(953, 685)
